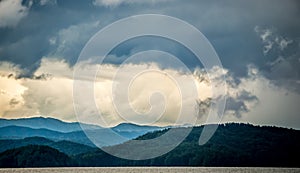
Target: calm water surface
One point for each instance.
(150, 170)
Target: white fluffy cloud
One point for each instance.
(11, 12)
(254, 99)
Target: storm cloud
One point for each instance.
(43, 31)
(258, 43)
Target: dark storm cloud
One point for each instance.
(138, 44)
(235, 104)
(229, 26)
(282, 57)
(238, 104)
(203, 106)
(236, 28)
(28, 42)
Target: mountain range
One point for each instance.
(234, 145)
(57, 130)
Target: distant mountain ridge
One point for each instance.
(47, 123)
(62, 126)
(58, 130)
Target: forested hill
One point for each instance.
(35, 156)
(232, 145)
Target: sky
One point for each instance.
(258, 43)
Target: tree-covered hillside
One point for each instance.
(67, 147)
(233, 145)
(35, 156)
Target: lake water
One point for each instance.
(151, 170)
